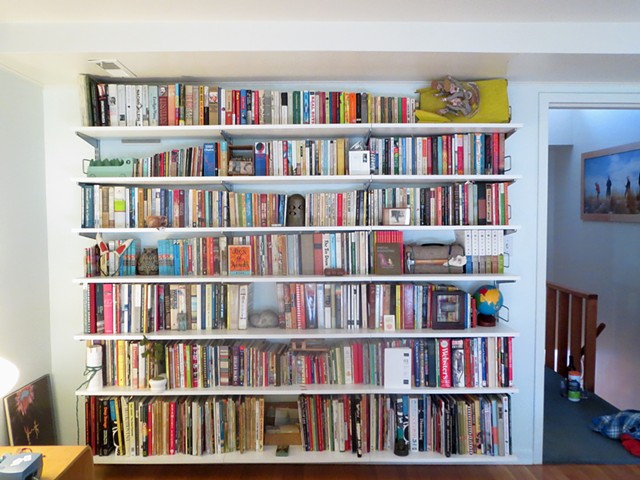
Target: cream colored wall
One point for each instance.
(24, 283)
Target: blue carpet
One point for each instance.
(568, 437)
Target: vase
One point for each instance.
(157, 384)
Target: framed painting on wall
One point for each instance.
(29, 412)
(610, 190)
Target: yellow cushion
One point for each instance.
(493, 107)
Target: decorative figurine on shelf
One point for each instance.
(295, 210)
(453, 100)
(264, 319)
(488, 303)
(156, 221)
(148, 262)
(110, 259)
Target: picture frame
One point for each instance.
(241, 161)
(610, 188)
(449, 310)
(396, 216)
(29, 414)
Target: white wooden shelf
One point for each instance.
(188, 232)
(500, 330)
(361, 180)
(221, 132)
(411, 278)
(298, 455)
(290, 390)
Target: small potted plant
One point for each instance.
(154, 352)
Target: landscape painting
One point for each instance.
(611, 184)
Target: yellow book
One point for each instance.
(340, 156)
(121, 347)
(399, 322)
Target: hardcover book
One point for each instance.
(388, 259)
(239, 259)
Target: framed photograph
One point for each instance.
(29, 412)
(396, 216)
(449, 310)
(241, 161)
(611, 184)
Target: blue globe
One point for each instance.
(488, 300)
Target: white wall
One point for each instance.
(525, 298)
(598, 257)
(24, 283)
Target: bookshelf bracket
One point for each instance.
(94, 142)
(226, 137)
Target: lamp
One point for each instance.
(9, 375)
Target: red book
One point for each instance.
(469, 361)
(92, 309)
(495, 150)
(408, 320)
(300, 306)
(172, 428)
(445, 362)
(150, 429)
(317, 254)
(163, 105)
(107, 295)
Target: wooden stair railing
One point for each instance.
(571, 329)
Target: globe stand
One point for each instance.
(486, 320)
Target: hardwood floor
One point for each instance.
(369, 472)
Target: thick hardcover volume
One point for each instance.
(445, 363)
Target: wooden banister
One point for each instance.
(571, 330)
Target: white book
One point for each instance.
(153, 106)
(243, 306)
(397, 368)
(119, 206)
(348, 365)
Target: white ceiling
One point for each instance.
(403, 40)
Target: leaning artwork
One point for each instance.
(29, 414)
(611, 184)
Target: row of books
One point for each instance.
(109, 206)
(150, 426)
(143, 308)
(448, 154)
(466, 203)
(455, 154)
(383, 306)
(150, 307)
(177, 104)
(444, 424)
(359, 424)
(352, 253)
(484, 362)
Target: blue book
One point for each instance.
(260, 159)
(210, 160)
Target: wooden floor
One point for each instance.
(368, 472)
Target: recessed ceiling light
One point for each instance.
(114, 68)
